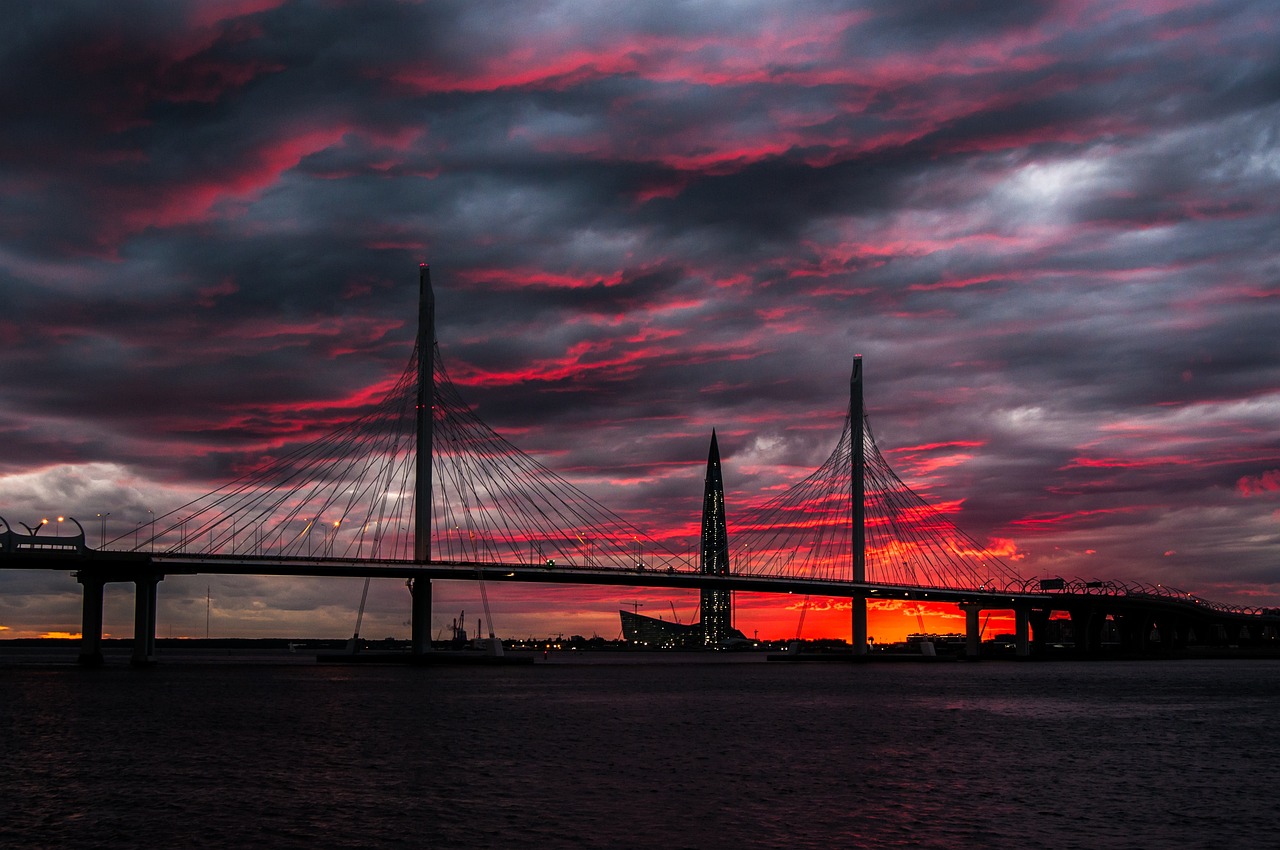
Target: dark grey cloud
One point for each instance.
(1049, 228)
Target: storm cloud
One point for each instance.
(1050, 230)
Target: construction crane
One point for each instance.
(635, 604)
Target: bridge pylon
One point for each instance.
(857, 497)
(420, 588)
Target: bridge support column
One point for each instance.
(1039, 621)
(1022, 632)
(91, 621)
(1173, 632)
(420, 589)
(1135, 630)
(144, 620)
(972, 630)
(1086, 632)
(859, 616)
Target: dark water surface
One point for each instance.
(1090, 755)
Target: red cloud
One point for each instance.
(789, 51)
(208, 296)
(514, 278)
(932, 447)
(1127, 463)
(194, 200)
(1003, 547)
(1070, 519)
(925, 459)
(1267, 482)
(211, 14)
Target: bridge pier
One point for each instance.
(1086, 629)
(859, 617)
(1176, 636)
(420, 590)
(1022, 632)
(1038, 619)
(972, 630)
(91, 620)
(1135, 631)
(144, 620)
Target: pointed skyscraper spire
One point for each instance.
(716, 613)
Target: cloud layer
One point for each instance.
(1049, 228)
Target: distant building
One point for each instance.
(660, 634)
(716, 607)
(715, 626)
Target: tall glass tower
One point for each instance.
(716, 609)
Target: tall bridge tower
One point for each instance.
(420, 588)
(716, 608)
(857, 500)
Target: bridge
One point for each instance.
(419, 488)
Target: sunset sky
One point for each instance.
(1052, 230)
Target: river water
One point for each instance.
(598, 752)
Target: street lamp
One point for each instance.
(102, 524)
(329, 536)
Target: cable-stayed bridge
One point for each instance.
(419, 488)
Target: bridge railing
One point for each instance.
(1142, 590)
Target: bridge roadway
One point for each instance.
(1135, 615)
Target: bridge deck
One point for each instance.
(109, 566)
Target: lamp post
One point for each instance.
(102, 526)
(330, 534)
